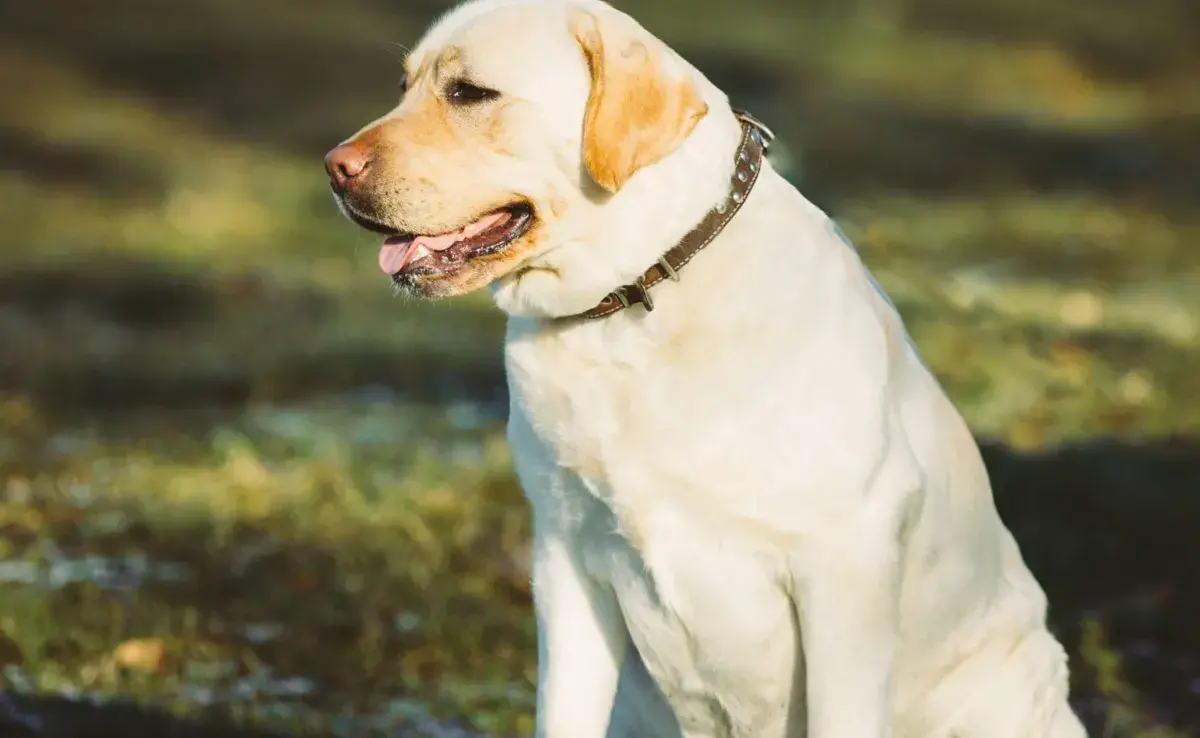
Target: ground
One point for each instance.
(244, 483)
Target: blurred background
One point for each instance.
(241, 482)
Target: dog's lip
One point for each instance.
(372, 225)
(500, 227)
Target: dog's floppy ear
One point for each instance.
(636, 113)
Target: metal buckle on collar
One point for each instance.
(640, 293)
(767, 134)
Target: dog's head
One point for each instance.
(510, 158)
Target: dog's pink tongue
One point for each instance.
(397, 251)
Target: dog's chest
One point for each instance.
(581, 410)
(621, 417)
(707, 611)
(641, 429)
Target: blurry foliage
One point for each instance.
(239, 478)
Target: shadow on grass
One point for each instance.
(1109, 529)
(58, 717)
(848, 149)
(858, 149)
(101, 334)
(106, 174)
(246, 74)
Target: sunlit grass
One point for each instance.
(356, 551)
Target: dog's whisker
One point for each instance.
(404, 50)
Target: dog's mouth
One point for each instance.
(406, 253)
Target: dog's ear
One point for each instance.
(636, 113)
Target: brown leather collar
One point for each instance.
(756, 137)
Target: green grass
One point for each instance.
(204, 378)
(371, 555)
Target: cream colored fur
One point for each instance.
(757, 514)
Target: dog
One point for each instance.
(756, 512)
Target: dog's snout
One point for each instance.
(345, 163)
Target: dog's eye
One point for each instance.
(465, 93)
(403, 82)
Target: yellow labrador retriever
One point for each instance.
(757, 514)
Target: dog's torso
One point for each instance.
(775, 412)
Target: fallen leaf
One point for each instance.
(305, 581)
(1081, 309)
(141, 654)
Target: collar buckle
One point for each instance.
(763, 130)
(640, 292)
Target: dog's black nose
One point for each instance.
(345, 163)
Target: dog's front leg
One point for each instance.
(581, 640)
(847, 601)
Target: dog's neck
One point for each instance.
(756, 137)
(630, 230)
